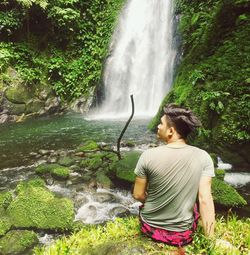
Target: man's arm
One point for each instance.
(206, 205)
(140, 189)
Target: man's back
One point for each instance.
(173, 174)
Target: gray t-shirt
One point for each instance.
(173, 175)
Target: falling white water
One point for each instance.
(141, 61)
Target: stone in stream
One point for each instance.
(119, 211)
(17, 242)
(103, 197)
(37, 207)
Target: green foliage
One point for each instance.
(68, 52)
(226, 195)
(17, 241)
(212, 79)
(118, 236)
(35, 206)
(220, 174)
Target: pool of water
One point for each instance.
(19, 140)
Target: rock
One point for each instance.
(66, 161)
(226, 195)
(44, 152)
(80, 200)
(36, 207)
(15, 108)
(124, 168)
(4, 118)
(52, 105)
(34, 105)
(80, 154)
(18, 94)
(17, 241)
(5, 224)
(103, 197)
(119, 211)
(103, 181)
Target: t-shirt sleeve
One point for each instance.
(140, 169)
(208, 169)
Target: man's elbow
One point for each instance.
(138, 196)
(205, 200)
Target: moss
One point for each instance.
(5, 199)
(88, 146)
(18, 94)
(37, 207)
(15, 109)
(66, 161)
(124, 168)
(34, 106)
(220, 173)
(92, 163)
(17, 242)
(226, 195)
(5, 224)
(56, 171)
(103, 179)
(60, 173)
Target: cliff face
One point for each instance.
(213, 77)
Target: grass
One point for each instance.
(231, 238)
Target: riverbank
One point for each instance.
(122, 236)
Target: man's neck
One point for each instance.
(177, 141)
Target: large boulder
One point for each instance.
(18, 242)
(124, 168)
(36, 207)
(225, 195)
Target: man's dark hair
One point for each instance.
(182, 119)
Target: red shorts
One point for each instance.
(173, 238)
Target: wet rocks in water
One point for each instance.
(56, 171)
(103, 197)
(119, 211)
(36, 207)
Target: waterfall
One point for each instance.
(141, 60)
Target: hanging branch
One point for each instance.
(125, 127)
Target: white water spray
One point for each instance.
(141, 61)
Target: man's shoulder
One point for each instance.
(199, 151)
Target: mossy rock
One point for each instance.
(36, 207)
(124, 168)
(17, 242)
(34, 106)
(5, 199)
(56, 171)
(66, 161)
(103, 179)
(92, 163)
(5, 224)
(226, 195)
(45, 168)
(60, 173)
(15, 109)
(220, 173)
(88, 146)
(18, 94)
